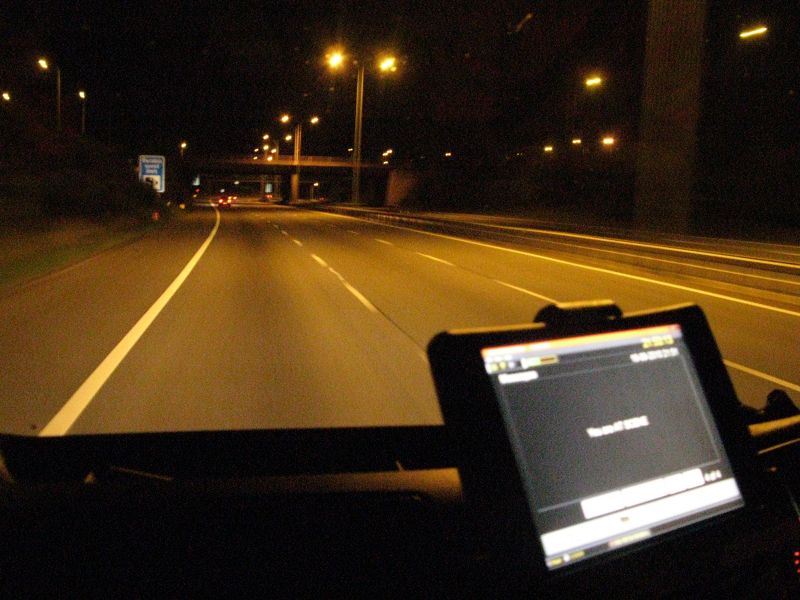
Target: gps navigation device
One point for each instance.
(586, 439)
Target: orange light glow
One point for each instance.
(335, 59)
(593, 81)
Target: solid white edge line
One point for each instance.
(82, 397)
(608, 240)
(731, 364)
(776, 380)
(384, 242)
(439, 260)
(606, 271)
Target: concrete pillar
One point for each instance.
(665, 166)
(295, 185)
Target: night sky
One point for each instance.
(474, 76)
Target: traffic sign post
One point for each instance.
(152, 171)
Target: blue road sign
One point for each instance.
(152, 171)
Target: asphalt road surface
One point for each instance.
(278, 317)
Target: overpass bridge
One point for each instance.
(330, 173)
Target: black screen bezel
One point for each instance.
(490, 477)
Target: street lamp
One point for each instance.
(386, 64)
(82, 96)
(45, 66)
(183, 147)
(335, 59)
(755, 31)
(298, 139)
(593, 81)
(6, 96)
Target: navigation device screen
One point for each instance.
(613, 438)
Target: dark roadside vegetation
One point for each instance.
(63, 197)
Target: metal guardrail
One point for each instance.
(768, 277)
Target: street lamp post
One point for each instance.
(183, 147)
(336, 60)
(44, 65)
(298, 140)
(356, 193)
(82, 96)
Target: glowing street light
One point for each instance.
(183, 147)
(548, 148)
(448, 154)
(756, 31)
(288, 137)
(314, 120)
(265, 136)
(265, 147)
(609, 141)
(387, 64)
(285, 118)
(577, 141)
(269, 158)
(6, 97)
(335, 59)
(593, 81)
(45, 66)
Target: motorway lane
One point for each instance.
(295, 318)
(263, 336)
(761, 336)
(56, 329)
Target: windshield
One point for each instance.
(256, 215)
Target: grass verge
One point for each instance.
(30, 252)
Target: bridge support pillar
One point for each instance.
(295, 185)
(665, 166)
